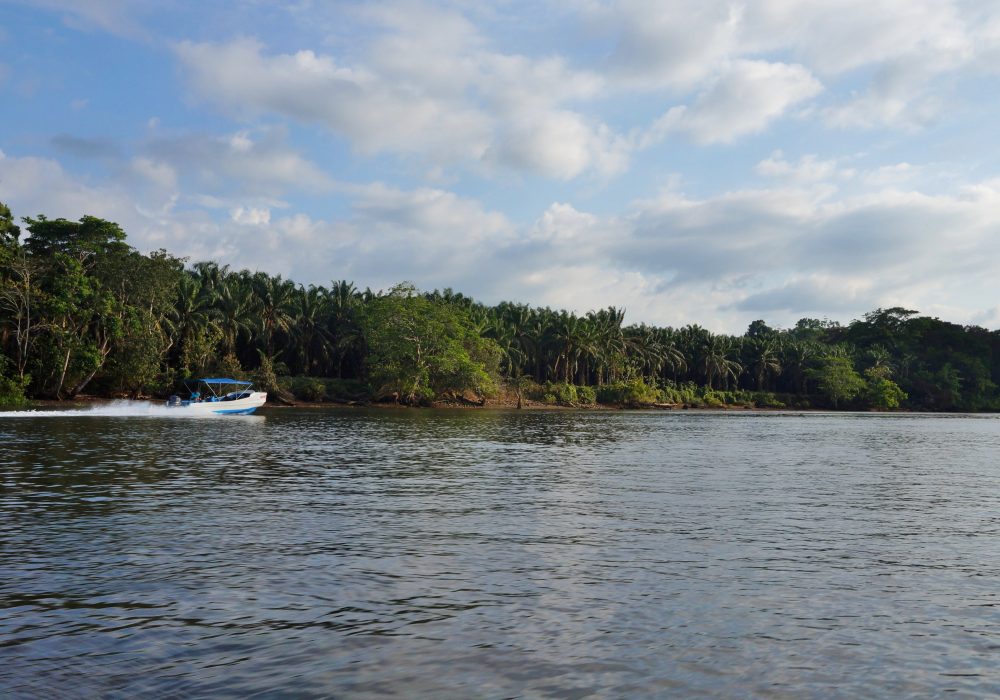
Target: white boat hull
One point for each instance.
(240, 406)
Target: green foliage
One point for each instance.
(229, 366)
(88, 240)
(324, 389)
(562, 393)
(419, 348)
(522, 386)
(12, 388)
(837, 379)
(308, 389)
(767, 399)
(82, 311)
(12, 391)
(713, 399)
(633, 393)
(200, 349)
(687, 394)
(881, 392)
(9, 235)
(265, 377)
(135, 362)
(586, 395)
(946, 386)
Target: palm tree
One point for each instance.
(672, 355)
(211, 276)
(310, 326)
(567, 336)
(505, 337)
(192, 317)
(691, 341)
(644, 351)
(796, 358)
(235, 310)
(536, 335)
(717, 361)
(762, 358)
(611, 354)
(881, 360)
(276, 298)
(519, 318)
(343, 303)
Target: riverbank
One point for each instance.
(506, 400)
(489, 404)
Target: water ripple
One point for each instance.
(500, 554)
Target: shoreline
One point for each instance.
(489, 405)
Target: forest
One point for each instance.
(84, 313)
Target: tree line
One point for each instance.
(81, 311)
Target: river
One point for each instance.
(493, 554)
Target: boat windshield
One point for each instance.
(220, 389)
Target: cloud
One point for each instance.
(157, 173)
(905, 45)
(988, 318)
(671, 44)
(781, 252)
(374, 114)
(432, 237)
(560, 145)
(426, 82)
(85, 148)
(250, 216)
(813, 294)
(786, 229)
(448, 103)
(891, 175)
(744, 99)
(243, 168)
(681, 42)
(901, 94)
(847, 172)
(837, 36)
(249, 161)
(796, 250)
(32, 186)
(808, 169)
(116, 17)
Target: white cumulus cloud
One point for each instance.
(449, 103)
(744, 99)
(250, 216)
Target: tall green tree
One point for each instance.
(837, 379)
(419, 348)
(10, 234)
(275, 308)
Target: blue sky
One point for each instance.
(691, 161)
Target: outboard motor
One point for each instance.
(174, 400)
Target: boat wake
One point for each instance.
(115, 408)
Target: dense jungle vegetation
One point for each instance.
(83, 312)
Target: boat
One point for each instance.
(219, 395)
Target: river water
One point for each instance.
(494, 554)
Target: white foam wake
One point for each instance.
(114, 408)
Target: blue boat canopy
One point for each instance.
(223, 380)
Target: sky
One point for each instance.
(690, 161)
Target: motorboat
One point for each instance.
(219, 395)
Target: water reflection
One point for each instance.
(479, 553)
